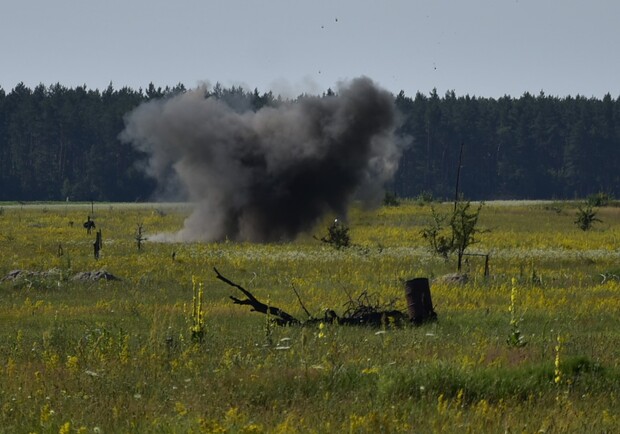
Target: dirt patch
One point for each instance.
(55, 273)
(19, 274)
(95, 275)
(453, 279)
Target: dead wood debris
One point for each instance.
(363, 310)
(280, 317)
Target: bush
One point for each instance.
(457, 236)
(598, 199)
(390, 199)
(424, 198)
(586, 217)
(337, 235)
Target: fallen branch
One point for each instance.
(280, 317)
(301, 302)
(364, 311)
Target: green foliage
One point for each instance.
(598, 199)
(459, 233)
(337, 235)
(390, 199)
(118, 356)
(515, 337)
(464, 228)
(424, 198)
(574, 139)
(586, 217)
(441, 241)
(58, 142)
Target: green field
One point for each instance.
(117, 356)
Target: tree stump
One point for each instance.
(97, 244)
(419, 301)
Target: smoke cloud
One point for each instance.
(268, 175)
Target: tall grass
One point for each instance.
(118, 356)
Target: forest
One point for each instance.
(60, 143)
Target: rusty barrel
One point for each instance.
(419, 301)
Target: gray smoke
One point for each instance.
(271, 174)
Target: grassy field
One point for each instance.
(117, 356)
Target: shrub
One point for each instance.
(424, 197)
(390, 199)
(586, 217)
(598, 199)
(337, 235)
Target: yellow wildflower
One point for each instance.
(72, 364)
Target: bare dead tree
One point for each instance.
(280, 316)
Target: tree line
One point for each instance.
(58, 143)
(531, 147)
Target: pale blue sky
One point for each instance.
(476, 47)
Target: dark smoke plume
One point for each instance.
(271, 174)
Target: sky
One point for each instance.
(485, 48)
